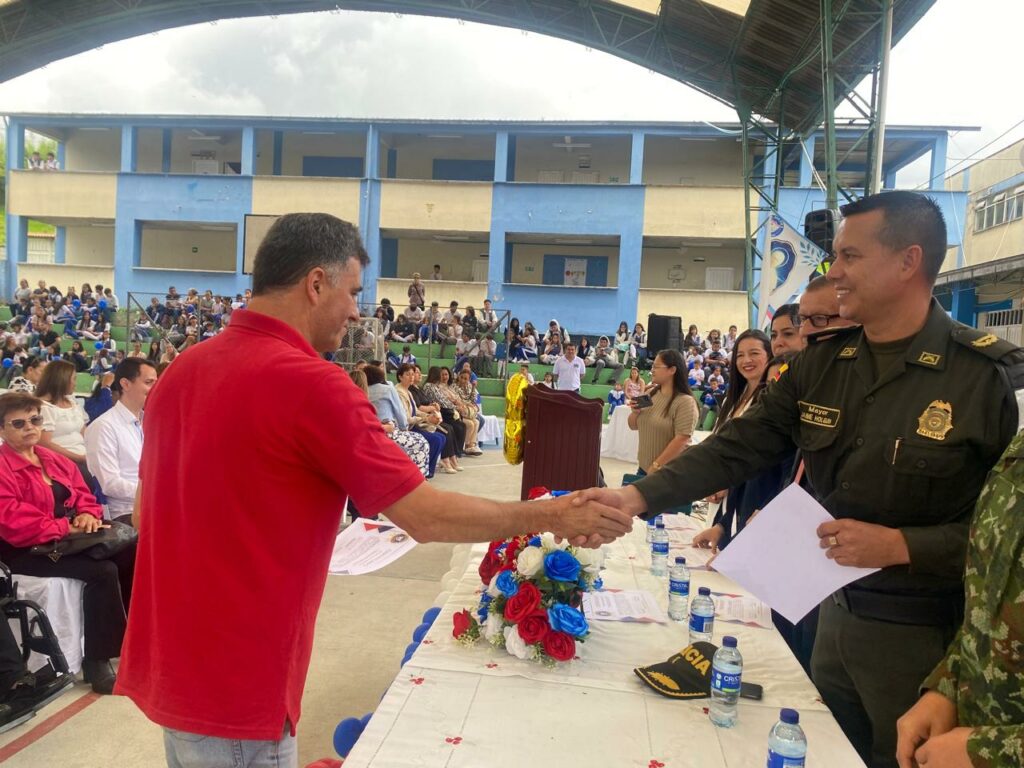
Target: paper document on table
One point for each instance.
(777, 556)
(741, 609)
(695, 557)
(625, 605)
(366, 546)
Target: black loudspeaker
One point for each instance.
(664, 332)
(820, 228)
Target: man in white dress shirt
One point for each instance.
(569, 370)
(113, 442)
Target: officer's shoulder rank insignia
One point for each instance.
(936, 421)
(929, 358)
(848, 352)
(985, 341)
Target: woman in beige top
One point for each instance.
(666, 425)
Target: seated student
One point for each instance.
(113, 441)
(389, 310)
(488, 318)
(100, 400)
(43, 498)
(711, 400)
(635, 385)
(391, 358)
(470, 322)
(525, 371)
(450, 332)
(429, 330)
(716, 375)
(549, 380)
(465, 348)
(381, 315)
(696, 378)
(31, 371)
(604, 355)
(552, 349)
(414, 314)
(403, 330)
(392, 416)
(407, 357)
(529, 346)
(101, 363)
(616, 397)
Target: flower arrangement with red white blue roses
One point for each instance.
(532, 601)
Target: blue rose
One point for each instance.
(507, 583)
(564, 618)
(485, 598)
(561, 566)
(535, 541)
(598, 584)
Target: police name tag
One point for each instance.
(818, 415)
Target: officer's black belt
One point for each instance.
(943, 610)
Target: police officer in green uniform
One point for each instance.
(898, 419)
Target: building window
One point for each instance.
(998, 209)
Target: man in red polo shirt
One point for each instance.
(234, 547)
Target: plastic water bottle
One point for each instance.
(787, 744)
(659, 551)
(678, 590)
(726, 671)
(702, 616)
(651, 525)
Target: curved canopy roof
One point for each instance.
(741, 52)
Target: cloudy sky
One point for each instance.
(960, 65)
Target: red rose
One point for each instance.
(522, 603)
(461, 622)
(559, 646)
(489, 566)
(534, 627)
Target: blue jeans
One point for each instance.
(192, 750)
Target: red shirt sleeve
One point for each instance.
(344, 439)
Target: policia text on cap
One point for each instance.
(898, 420)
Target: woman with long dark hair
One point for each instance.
(667, 424)
(437, 392)
(748, 372)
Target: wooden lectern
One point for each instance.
(562, 448)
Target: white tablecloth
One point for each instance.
(493, 430)
(61, 600)
(618, 441)
(453, 706)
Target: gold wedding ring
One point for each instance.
(833, 541)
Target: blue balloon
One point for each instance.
(346, 735)
(431, 614)
(8, 363)
(420, 632)
(365, 719)
(98, 345)
(76, 303)
(102, 303)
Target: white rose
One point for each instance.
(530, 562)
(591, 560)
(515, 645)
(547, 541)
(493, 625)
(492, 588)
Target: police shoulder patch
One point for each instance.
(982, 342)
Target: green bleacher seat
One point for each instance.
(118, 333)
(5, 313)
(84, 382)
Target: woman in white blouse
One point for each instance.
(63, 418)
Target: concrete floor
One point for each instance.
(364, 625)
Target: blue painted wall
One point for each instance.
(568, 210)
(205, 199)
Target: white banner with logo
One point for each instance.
(790, 261)
(576, 272)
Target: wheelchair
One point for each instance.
(37, 635)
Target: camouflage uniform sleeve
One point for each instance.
(996, 746)
(945, 678)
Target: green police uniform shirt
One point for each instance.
(983, 672)
(908, 448)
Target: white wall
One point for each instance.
(172, 249)
(417, 152)
(654, 270)
(93, 150)
(456, 259)
(89, 246)
(609, 156)
(669, 160)
(297, 145)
